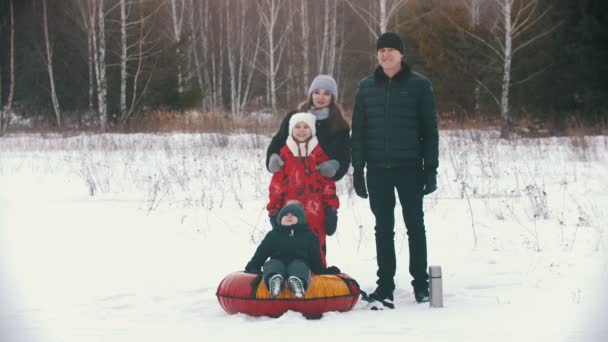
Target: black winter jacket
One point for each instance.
(394, 122)
(287, 243)
(335, 142)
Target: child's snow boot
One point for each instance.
(275, 284)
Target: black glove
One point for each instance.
(430, 183)
(332, 270)
(273, 222)
(331, 220)
(359, 183)
(252, 270)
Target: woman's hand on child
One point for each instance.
(329, 168)
(275, 163)
(331, 220)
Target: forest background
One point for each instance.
(537, 66)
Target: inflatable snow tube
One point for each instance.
(242, 292)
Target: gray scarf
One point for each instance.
(320, 113)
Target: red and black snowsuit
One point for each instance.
(298, 179)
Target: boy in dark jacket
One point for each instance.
(293, 251)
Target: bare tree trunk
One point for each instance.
(177, 17)
(291, 78)
(239, 86)
(269, 14)
(230, 38)
(5, 114)
(220, 69)
(511, 23)
(475, 13)
(377, 18)
(382, 19)
(200, 52)
(338, 75)
(85, 11)
(99, 46)
(195, 52)
(240, 77)
(49, 62)
(123, 59)
(508, 57)
(305, 44)
(332, 42)
(1, 112)
(251, 68)
(136, 94)
(216, 56)
(90, 59)
(325, 41)
(473, 7)
(4, 123)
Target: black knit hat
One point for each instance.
(294, 207)
(390, 40)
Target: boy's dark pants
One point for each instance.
(381, 185)
(296, 268)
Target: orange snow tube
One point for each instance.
(239, 292)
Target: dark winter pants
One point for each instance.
(381, 185)
(296, 268)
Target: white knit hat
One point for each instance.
(307, 118)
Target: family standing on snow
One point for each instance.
(394, 138)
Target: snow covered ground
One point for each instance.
(126, 237)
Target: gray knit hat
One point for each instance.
(294, 207)
(324, 82)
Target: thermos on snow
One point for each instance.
(436, 287)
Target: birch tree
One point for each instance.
(5, 114)
(474, 9)
(325, 41)
(49, 64)
(199, 27)
(1, 112)
(83, 13)
(97, 19)
(123, 57)
(331, 62)
(376, 14)
(241, 64)
(177, 15)
(305, 28)
(513, 31)
(142, 52)
(92, 21)
(269, 11)
(217, 66)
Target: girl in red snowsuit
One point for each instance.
(299, 179)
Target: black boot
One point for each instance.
(421, 295)
(379, 300)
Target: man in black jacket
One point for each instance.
(395, 136)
